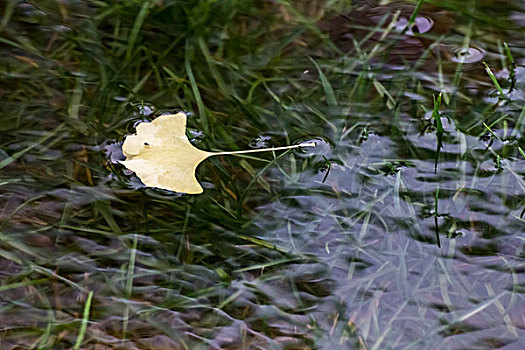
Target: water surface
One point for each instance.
(380, 239)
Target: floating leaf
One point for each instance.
(162, 156)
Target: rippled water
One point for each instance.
(378, 238)
(468, 55)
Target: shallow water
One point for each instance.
(376, 239)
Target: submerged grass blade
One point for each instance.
(129, 282)
(263, 243)
(242, 197)
(19, 154)
(436, 214)
(520, 123)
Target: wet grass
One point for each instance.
(405, 231)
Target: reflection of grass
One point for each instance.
(278, 252)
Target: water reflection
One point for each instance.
(322, 147)
(260, 141)
(367, 238)
(421, 25)
(113, 151)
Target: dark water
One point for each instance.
(377, 239)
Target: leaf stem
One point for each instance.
(305, 144)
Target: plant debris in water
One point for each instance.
(162, 156)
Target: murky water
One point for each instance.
(379, 238)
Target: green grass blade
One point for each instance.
(492, 132)
(512, 67)
(382, 91)
(439, 128)
(494, 80)
(136, 28)
(85, 320)
(23, 284)
(521, 151)
(436, 200)
(435, 114)
(195, 88)
(327, 87)
(8, 12)
(414, 14)
(129, 282)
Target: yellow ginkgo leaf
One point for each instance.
(162, 156)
